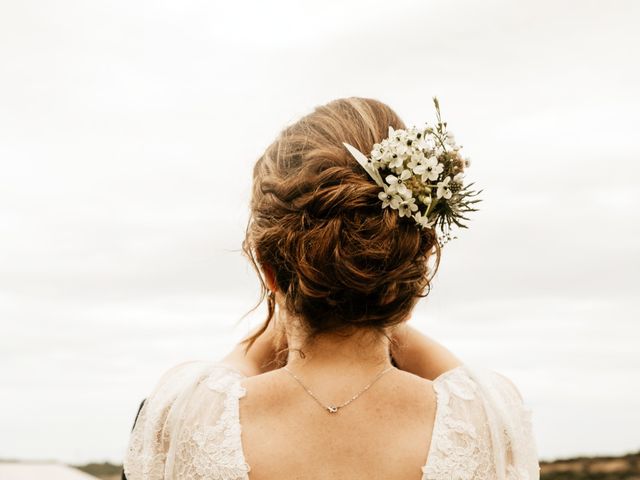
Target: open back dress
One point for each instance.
(189, 428)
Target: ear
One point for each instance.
(269, 276)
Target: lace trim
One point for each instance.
(214, 452)
(142, 462)
(458, 449)
(146, 456)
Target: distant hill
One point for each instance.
(105, 471)
(626, 467)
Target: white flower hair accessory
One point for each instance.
(421, 174)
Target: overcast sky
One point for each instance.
(128, 130)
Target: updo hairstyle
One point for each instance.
(341, 261)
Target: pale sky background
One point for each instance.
(128, 130)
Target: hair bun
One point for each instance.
(339, 259)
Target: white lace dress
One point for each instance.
(189, 429)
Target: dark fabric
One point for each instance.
(124, 477)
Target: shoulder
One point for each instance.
(191, 370)
(486, 392)
(175, 380)
(164, 410)
(489, 409)
(472, 381)
(181, 374)
(484, 397)
(183, 378)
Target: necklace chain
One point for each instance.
(331, 408)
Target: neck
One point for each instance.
(363, 352)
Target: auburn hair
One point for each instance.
(341, 261)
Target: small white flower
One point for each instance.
(430, 169)
(397, 160)
(387, 157)
(443, 189)
(382, 153)
(377, 153)
(389, 199)
(424, 141)
(451, 139)
(414, 131)
(417, 157)
(407, 206)
(397, 185)
(421, 220)
(399, 136)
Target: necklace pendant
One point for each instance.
(332, 408)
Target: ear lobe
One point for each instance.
(269, 277)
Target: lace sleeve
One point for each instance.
(482, 430)
(523, 459)
(149, 440)
(514, 451)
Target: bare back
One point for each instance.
(383, 434)
(206, 420)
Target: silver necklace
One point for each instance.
(331, 408)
